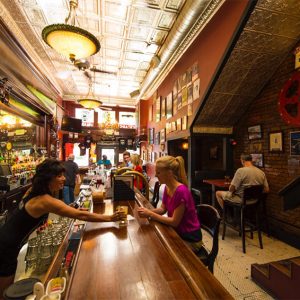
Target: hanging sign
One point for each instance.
(289, 100)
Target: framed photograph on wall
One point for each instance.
(195, 71)
(214, 153)
(275, 142)
(178, 124)
(163, 107)
(169, 106)
(254, 132)
(258, 159)
(151, 136)
(196, 89)
(157, 140)
(295, 142)
(157, 109)
(184, 123)
(163, 135)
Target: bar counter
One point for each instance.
(143, 260)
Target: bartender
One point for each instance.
(33, 211)
(104, 161)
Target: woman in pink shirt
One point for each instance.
(177, 201)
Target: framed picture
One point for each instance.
(190, 93)
(255, 147)
(175, 88)
(151, 113)
(254, 132)
(184, 123)
(163, 135)
(178, 124)
(196, 89)
(258, 159)
(213, 153)
(189, 76)
(151, 136)
(275, 142)
(157, 140)
(179, 102)
(195, 71)
(295, 142)
(163, 107)
(157, 109)
(169, 106)
(184, 96)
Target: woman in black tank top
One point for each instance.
(32, 211)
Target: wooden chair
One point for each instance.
(210, 222)
(138, 177)
(122, 170)
(252, 198)
(155, 197)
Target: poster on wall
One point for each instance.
(179, 102)
(196, 89)
(189, 76)
(157, 109)
(163, 107)
(169, 105)
(175, 88)
(184, 96)
(195, 71)
(178, 124)
(184, 122)
(190, 93)
(295, 142)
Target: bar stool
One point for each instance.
(251, 199)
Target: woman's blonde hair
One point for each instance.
(135, 159)
(176, 165)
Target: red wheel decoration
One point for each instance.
(289, 100)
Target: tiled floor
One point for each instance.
(233, 268)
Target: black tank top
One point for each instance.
(19, 226)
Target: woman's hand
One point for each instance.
(144, 212)
(114, 217)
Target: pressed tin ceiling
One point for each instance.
(271, 32)
(131, 33)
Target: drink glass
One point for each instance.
(227, 179)
(123, 209)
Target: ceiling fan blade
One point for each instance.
(94, 69)
(88, 75)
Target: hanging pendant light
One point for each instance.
(69, 39)
(90, 101)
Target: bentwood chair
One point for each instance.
(139, 177)
(155, 197)
(122, 170)
(210, 222)
(250, 202)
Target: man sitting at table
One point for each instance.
(243, 177)
(104, 161)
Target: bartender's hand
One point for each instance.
(144, 212)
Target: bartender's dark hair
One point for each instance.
(45, 171)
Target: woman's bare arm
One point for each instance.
(46, 204)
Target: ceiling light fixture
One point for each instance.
(69, 39)
(90, 101)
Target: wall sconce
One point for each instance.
(185, 145)
(4, 91)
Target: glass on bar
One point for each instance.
(123, 209)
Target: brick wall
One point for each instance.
(277, 166)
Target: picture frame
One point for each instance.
(169, 107)
(275, 141)
(256, 147)
(157, 109)
(184, 123)
(163, 135)
(151, 136)
(258, 159)
(254, 132)
(178, 124)
(157, 138)
(295, 143)
(163, 107)
(214, 153)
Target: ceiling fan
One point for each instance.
(84, 64)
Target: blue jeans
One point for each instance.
(68, 194)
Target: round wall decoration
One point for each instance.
(289, 100)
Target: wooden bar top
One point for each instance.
(143, 260)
